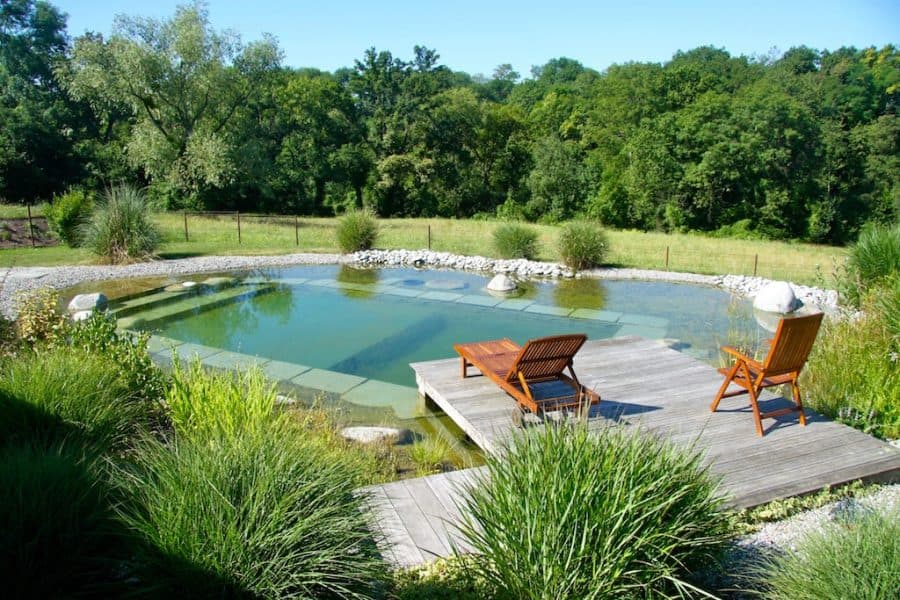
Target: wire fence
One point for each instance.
(267, 230)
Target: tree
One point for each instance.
(183, 84)
(38, 122)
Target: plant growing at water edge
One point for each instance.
(264, 514)
(357, 230)
(512, 240)
(120, 230)
(582, 245)
(430, 454)
(569, 513)
(39, 318)
(858, 558)
(225, 405)
(874, 257)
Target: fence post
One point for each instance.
(429, 237)
(755, 263)
(30, 226)
(184, 212)
(297, 230)
(238, 213)
(667, 258)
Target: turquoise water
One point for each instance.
(378, 321)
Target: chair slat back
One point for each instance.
(792, 343)
(546, 357)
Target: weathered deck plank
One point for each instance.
(645, 385)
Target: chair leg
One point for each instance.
(728, 378)
(752, 389)
(798, 401)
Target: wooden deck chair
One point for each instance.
(787, 354)
(533, 374)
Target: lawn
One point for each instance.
(801, 263)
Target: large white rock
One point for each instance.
(501, 283)
(371, 435)
(776, 297)
(87, 302)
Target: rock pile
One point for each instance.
(743, 285)
(427, 258)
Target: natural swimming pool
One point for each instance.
(351, 326)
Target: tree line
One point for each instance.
(803, 146)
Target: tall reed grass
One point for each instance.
(566, 513)
(120, 229)
(858, 558)
(262, 514)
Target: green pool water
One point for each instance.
(354, 332)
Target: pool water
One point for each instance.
(368, 325)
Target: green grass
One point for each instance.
(802, 263)
(852, 374)
(20, 211)
(567, 513)
(263, 514)
(62, 394)
(855, 558)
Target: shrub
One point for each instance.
(63, 393)
(98, 335)
(56, 528)
(852, 373)
(39, 318)
(515, 241)
(568, 513)
(874, 257)
(204, 405)
(267, 515)
(357, 230)
(67, 213)
(856, 559)
(582, 245)
(120, 229)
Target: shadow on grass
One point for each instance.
(177, 255)
(60, 535)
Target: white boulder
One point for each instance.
(82, 315)
(776, 297)
(87, 302)
(372, 435)
(501, 283)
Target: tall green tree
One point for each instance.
(183, 83)
(39, 125)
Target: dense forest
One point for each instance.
(802, 146)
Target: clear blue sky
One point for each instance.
(476, 36)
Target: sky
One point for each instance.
(476, 36)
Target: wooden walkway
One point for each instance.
(647, 385)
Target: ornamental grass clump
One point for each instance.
(512, 240)
(855, 558)
(568, 513)
(65, 394)
(357, 230)
(582, 245)
(872, 259)
(120, 229)
(264, 514)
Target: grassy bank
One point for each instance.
(802, 263)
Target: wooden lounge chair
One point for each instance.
(532, 374)
(787, 354)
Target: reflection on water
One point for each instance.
(582, 292)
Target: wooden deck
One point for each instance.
(647, 385)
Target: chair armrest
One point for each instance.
(741, 356)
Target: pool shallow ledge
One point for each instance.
(299, 380)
